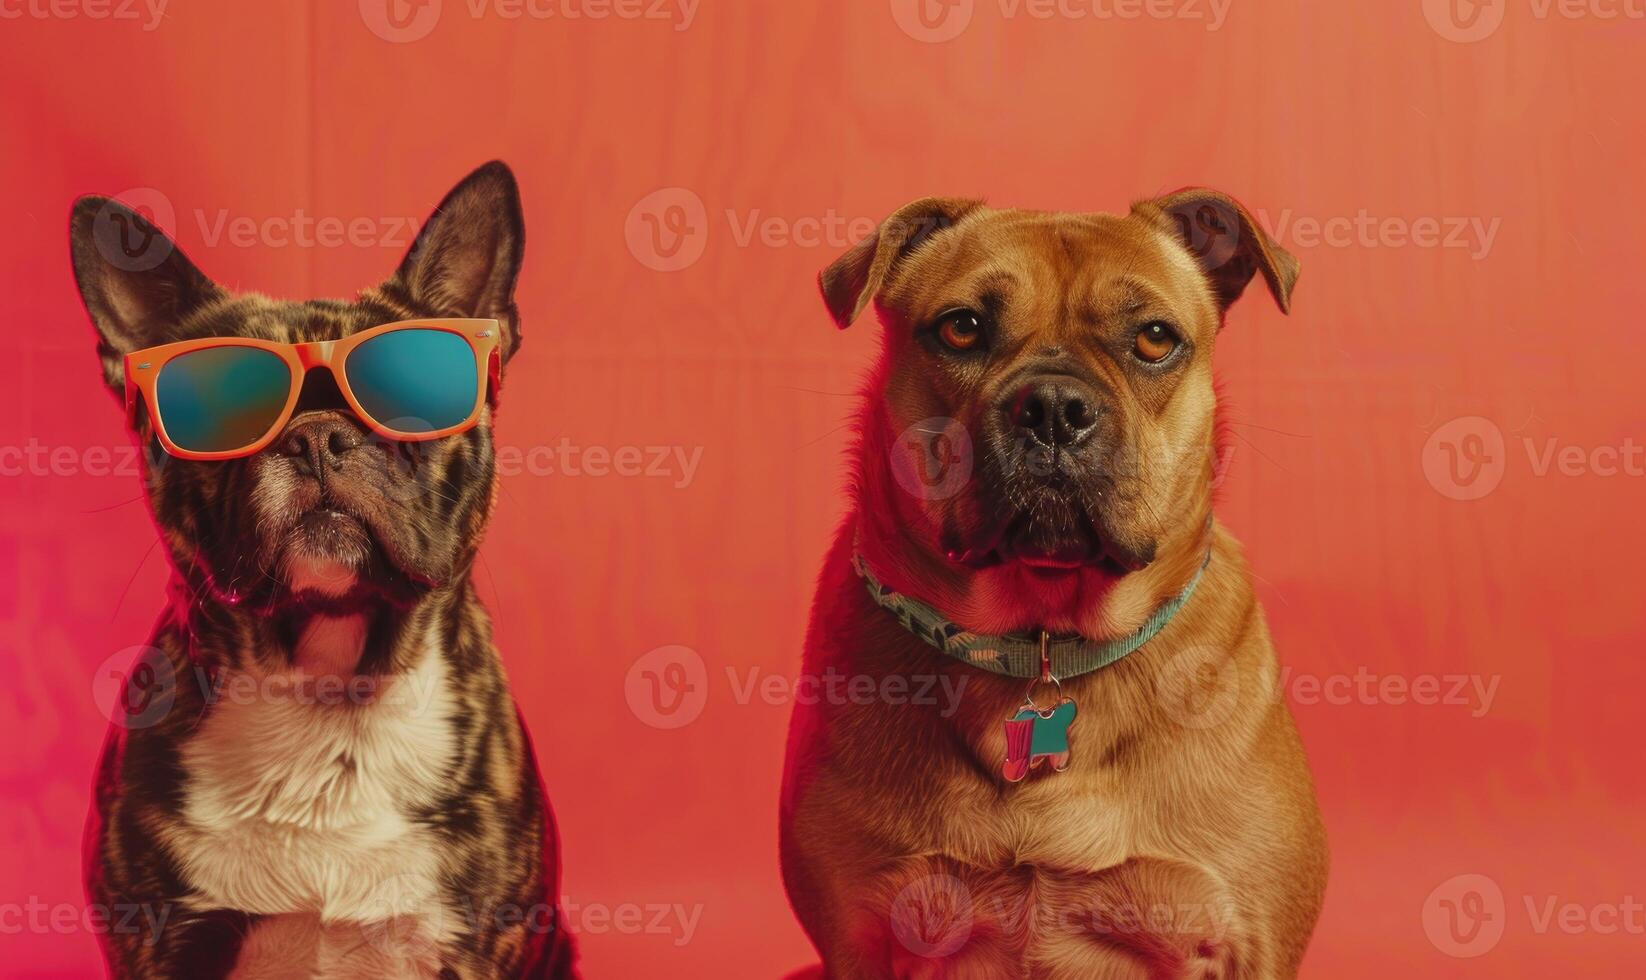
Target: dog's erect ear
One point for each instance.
(1226, 240)
(855, 277)
(136, 283)
(466, 259)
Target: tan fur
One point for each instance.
(1184, 839)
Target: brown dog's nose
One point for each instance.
(320, 442)
(1057, 411)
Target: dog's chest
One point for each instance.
(299, 799)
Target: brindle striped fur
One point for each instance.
(229, 526)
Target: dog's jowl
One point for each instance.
(319, 770)
(1116, 794)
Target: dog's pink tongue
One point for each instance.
(330, 646)
(1053, 562)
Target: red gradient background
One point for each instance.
(811, 119)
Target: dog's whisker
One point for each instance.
(133, 577)
(838, 428)
(817, 391)
(123, 503)
(1260, 452)
(1265, 428)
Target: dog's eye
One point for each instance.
(960, 329)
(1155, 342)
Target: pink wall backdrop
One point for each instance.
(1438, 465)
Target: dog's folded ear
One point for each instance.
(135, 282)
(466, 259)
(1226, 240)
(854, 278)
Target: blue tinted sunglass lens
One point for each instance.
(221, 399)
(415, 380)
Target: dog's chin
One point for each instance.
(325, 585)
(1048, 552)
(331, 562)
(1020, 543)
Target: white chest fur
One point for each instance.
(298, 794)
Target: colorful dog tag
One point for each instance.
(1035, 735)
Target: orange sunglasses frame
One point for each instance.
(143, 368)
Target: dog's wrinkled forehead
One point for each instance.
(1051, 273)
(261, 318)
(1196, 249)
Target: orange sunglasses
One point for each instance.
(228, 397)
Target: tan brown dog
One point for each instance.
(1036, 459)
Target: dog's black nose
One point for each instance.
(320, 441)
(1055, 411)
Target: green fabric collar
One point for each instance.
(1019, 654)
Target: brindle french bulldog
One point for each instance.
(1127, 830)
(319, 771)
